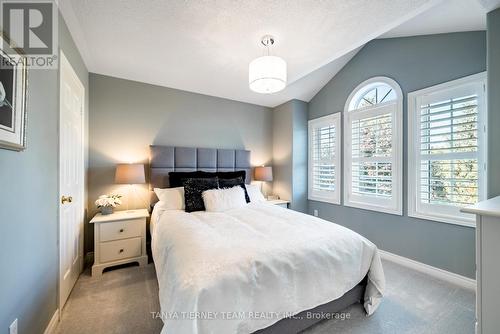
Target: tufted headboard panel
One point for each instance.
(166, 159)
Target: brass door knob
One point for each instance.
(66, 199)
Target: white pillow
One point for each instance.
(253, 191)
(218, 200)
(170, 198)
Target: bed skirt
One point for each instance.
(304, 320)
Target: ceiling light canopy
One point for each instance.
(267, 74)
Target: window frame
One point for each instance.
(395, 206)
(445, 213)
(332, 197)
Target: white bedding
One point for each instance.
(244, 269)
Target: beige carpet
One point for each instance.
(121, 301)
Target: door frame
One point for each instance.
(65, 63)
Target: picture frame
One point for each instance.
(13, 97)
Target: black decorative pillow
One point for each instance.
(175, 178)
(232, 175)
(193, 188)
(238, 181)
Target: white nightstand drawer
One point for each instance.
(121, 229)
(120, 249)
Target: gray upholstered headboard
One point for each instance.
(166, 159)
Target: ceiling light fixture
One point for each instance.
(267, 74)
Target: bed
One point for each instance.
(255, 269)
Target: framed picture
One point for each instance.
(13, 86)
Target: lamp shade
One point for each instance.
(267, 74)
(263, 173)
(130, 174)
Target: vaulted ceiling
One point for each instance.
(206, 46)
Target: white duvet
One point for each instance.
(245, 269)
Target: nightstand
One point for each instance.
(119, 238)
(280, 202)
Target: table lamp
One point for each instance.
(130, 174)
(263, 174)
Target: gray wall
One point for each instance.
(300, 155)
(29, 209)
(493, 65)
(290, 153)
(282, 150)
(415, 63)
(127, 116)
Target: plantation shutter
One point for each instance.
(449, 151)
(324, 157)
(371, 156)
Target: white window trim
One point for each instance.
(330, 197)
(453, 216)
(396, 205)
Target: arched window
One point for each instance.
(372, 94)
(373, 143)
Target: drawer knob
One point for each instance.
(121, 250)
(121, 230)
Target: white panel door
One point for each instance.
(71, 179)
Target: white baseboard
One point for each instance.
(51, 327)
(441, 274)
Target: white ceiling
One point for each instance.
(490, 5)
(448, 16)
(205, 46)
